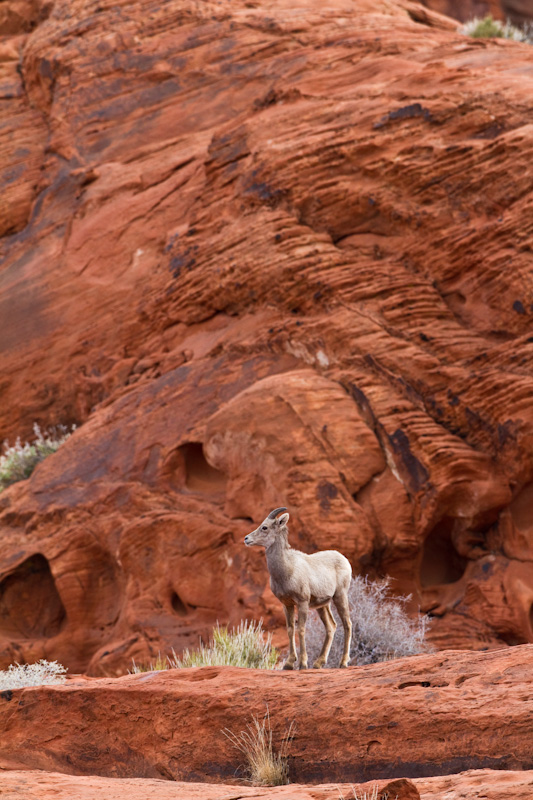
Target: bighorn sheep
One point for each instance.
(305, 581)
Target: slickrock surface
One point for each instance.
(40, 786)
(483, 784)
(262, 254)
(421, 716)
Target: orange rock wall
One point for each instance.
(270, 254)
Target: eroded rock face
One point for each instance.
(273, 254)
(421, 716)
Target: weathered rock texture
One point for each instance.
(420, 716)
(261, 253)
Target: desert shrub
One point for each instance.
(245, 646)
(489, 28)
(19, 461)
(264, 765)
(381, 628)
(17, 676)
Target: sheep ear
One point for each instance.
(283, 520)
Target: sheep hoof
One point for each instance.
(287, 665)
(343, 666)
(302, 666)
(318, 664)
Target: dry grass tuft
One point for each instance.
(374, 795)
(161, 663)
(264, 766)
(245, 646)
(363, 796)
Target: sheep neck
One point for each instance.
(277, 556)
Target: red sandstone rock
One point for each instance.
(262, 254)
(489, 784)
(40, 786)
(420, 716)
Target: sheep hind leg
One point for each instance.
(343, 607)
(331, 626)
(289, 616)
(303, 609)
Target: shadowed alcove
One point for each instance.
(441, 563)
(199, 475)
(30, 605)
(178, 605)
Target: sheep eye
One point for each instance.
(263, 527)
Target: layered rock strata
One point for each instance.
(261, 254)
(419, 716)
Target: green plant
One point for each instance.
(17, 676)
(264, 765)
(489, 28)
(18, 462)
(244, 646)
(381, 629)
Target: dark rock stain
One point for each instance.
(418, 474)
(325, 493)
(405, 112)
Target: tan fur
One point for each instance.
(305, 581)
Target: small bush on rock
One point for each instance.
(19, 461)
(17, 676)
(264, 765)
(244, 646)
(381, 628)
(489, 28)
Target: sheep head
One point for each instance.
(267, 533)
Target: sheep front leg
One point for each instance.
(303, 609)
(289, 616)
